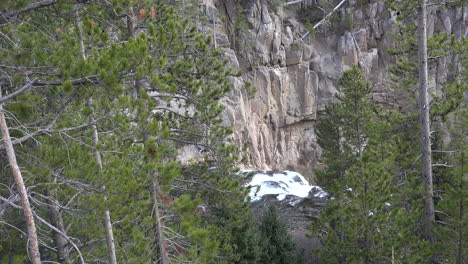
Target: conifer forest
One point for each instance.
(233, 131)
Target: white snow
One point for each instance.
(283, 184)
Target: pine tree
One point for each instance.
(439, 103)
(139, 134)
(356, 226)
(450, 161)
(341, 133)
(277, 245)
(250, 244)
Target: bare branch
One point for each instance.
(31, 7)
(325, 18)
(203, 184)
(8, 201)
(64, 235)
(26, 87)
(445, 151)
(82, 80)
(47, 130)
(293, 2)
(445, 165)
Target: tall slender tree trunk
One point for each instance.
(110, 237)
(429, 214)
(15, 170)
(111, 254)
(132, 32)
(159, 224)
(158, 214)
(56, 220)
(61, 243)
(131, 23)
(461, 212)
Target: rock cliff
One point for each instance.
(294, 74)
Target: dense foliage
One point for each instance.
(112, 93)
(114, 112)
(374, 214)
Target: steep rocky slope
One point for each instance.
(295, 74)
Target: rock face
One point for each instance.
(294, 75)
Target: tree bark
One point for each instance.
(461, 212)
(429, 214)
(110, 238)
(107, 217)
(56, 220)
(162, 244)
(132, 32)
(15, 170)
(131, 23)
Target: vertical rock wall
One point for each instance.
(294, 77)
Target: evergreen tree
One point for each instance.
(373, 211)
(446, 97)
(341, 134)
(250, 244)
(277, 246)
(452, 195)
(356, 225)
(146, 90)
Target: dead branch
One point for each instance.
(48, 130)
(23, 89)
(5, 16)
(325, 18)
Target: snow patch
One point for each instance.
(282, 184)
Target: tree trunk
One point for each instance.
(112, 256)
(107, 217)
(461, 212)
(132, 32)
(162, 244)
(110, 238)
(159, 223)
(425, 125)
(131, 23)
(15, 170)
(56, 220)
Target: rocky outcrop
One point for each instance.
(295, 211)
(294, 75)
